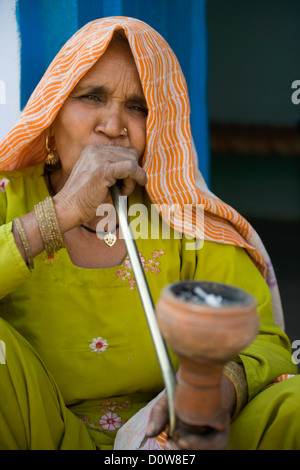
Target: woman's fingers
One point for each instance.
(129, 172)
(159, 417)
(186, 437)
(109, 164)
(213, 440)
(97, 169)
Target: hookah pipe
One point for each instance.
(205, 334)
(147, 302)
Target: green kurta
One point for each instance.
(88, 327)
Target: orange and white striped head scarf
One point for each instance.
(169, 157)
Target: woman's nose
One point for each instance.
(112, 124)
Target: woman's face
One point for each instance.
(106, 100)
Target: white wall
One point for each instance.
(9, 67)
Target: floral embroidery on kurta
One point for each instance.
(3, 183)
(98, 345)
(151, 265)
(110, 421)
(113, 405)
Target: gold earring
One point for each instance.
(50, 159)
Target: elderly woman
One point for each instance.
(79, 360)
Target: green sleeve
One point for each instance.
(269, 355)
(13, 269)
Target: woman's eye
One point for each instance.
(139, 109)
(91, 97)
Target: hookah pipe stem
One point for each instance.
(147, 302)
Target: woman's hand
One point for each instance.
(187, 438)
(97, 169)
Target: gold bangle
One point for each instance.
(51, 235)
(25, 243)
(235, 373)
(49, 210)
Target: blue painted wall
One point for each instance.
(45, 25)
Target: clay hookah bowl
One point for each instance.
(205, 336)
